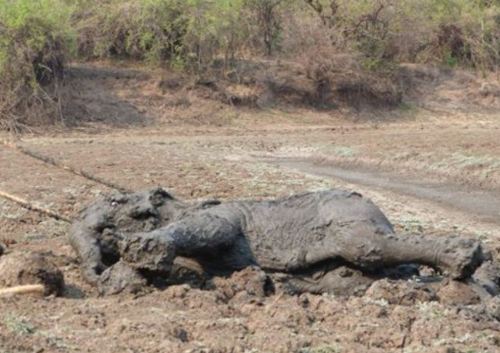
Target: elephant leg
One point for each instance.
(201, 234)
(89, 252)
(459, 257)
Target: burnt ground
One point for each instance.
(415, 164)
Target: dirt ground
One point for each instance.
(430, 171)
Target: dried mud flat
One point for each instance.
(232, 161)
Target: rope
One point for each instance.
(48, 160)
(32, 207)
(53, 162)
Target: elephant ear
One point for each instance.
(158, 197)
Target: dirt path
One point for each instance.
(484, 205)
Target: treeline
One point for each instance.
(37, 37)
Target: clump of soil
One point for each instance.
(20, 268)
(400, 292)
(120, 278)
(493, 307)
(244, 284)
(341, 281)
(457, 293)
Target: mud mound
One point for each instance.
(120, 278)
(245, 284)
(342, 281)
(488, 277)
(457, 293)
(31, 268)
(400, 292)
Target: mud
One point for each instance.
(488, 277)
(457, 293)
(341, 281)
(401, 292)
(328, 241)
(249, 284)
(21, 268)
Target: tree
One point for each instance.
(326, 13)
(268, 20)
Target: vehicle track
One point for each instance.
(482, 204)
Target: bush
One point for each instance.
(33, 47)
(150, 30)
(184, 34)
(355, 37)
(451, 32)
(267, 16)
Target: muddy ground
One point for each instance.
(431, 171)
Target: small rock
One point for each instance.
(252, 281)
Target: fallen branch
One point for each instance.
(26, 289)
(30, 206)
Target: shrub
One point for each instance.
(184, 34)
(354, 37)
(33, 46)
(453, 32)
(268, 18)
(150, 30)
(218, 32)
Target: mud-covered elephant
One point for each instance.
(138, 236)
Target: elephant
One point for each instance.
(135, 238)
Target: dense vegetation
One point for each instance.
(38, 36)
